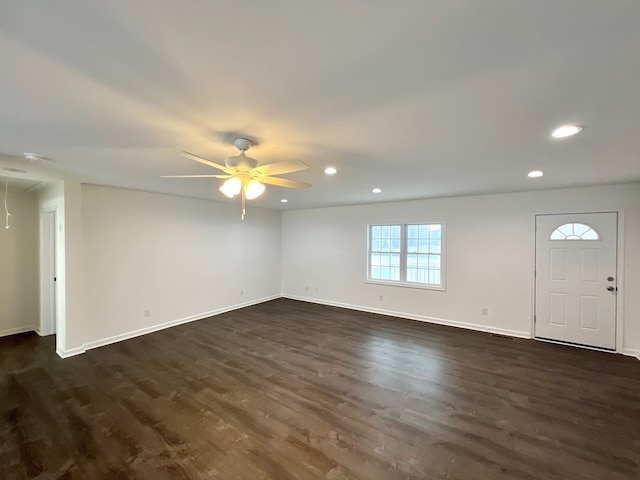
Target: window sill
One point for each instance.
(419, 286)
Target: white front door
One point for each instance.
(576, 278)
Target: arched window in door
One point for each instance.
(574, 231)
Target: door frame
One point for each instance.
(620, 282)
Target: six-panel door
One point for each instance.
(576, 279)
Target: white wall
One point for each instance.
(19, 265)
(181, 258)
(490, 257)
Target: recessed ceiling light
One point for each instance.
(32, 156)
(377, 190)
(14, 170)
(330, 170)
(535, 174)
(566, 131)
(284, 200)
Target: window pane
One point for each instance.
(566, 229)
(375, 246)
(384, 231)
(434, 262)
(412, 245)
(435, 230)
(590, 235)
(384, 273)
(375, 259)
(422, 261)
(434, 277)
(434, 246)
(395, 245)
(375, 231)
(375, 272)
(395, 260)
(412, 231)
(412, 275)
(423, 246)
(423, 231)
(384, 260)
(395, 231)
(395, 273)
(579, 229)
(412, 260)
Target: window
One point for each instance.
(574, 231)
(406, 254)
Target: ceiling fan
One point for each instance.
(245, 176)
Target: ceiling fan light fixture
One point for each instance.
(253, 189)
(231, 187)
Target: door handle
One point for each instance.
(612, 289)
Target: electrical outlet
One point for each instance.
(306, 288)
(147, 312)
(381, 297)
(485, 311)
(241, 292)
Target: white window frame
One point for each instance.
(403, 257)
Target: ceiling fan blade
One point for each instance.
(196, 176)
(283, 182)
(206, 162)
(280, 168)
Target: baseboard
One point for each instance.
(154, 328)
(43, 334)
(631, 353)
(412, 316)
(70, 353)
(15, 331)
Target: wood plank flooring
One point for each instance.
(288, 390)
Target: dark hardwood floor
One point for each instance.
(289, 390)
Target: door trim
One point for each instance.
(619, 348)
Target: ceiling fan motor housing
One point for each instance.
(241, 162)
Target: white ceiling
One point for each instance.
(420, 98)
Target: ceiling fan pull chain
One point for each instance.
(6, 208)
(243, 203)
